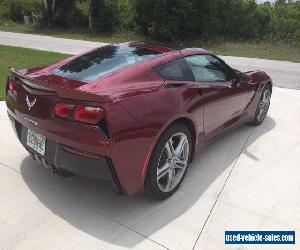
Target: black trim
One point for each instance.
(66, 163)
(117, 187)
(173, 85)
(102, 125)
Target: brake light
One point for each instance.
(12, 88)
(86, 114)
(90, 115)
(63, 109)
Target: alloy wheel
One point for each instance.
(263, 105)
(173, 162)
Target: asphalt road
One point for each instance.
(246, 180)
(284, 74)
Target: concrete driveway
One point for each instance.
(247, 180)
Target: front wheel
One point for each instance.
(263, 106)
(169, 162)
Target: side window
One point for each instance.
(207, 68)
(175, 70)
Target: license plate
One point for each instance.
(36, 141)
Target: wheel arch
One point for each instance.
(191, 127)
(269, 83)
(186, 121)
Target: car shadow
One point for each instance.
(192, 202)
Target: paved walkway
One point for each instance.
(47, 43)
(284, 74)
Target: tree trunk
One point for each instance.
(50, 8)
(45, 4)
(90, 16)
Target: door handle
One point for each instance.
(236, 83)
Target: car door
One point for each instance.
(180, 82)
(223, 97)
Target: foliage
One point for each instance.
(126, 15)
(235, 19)
(82, 14)
(104, 14)
(62, 15)
(168, 19)
(15, 10)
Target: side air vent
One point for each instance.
(175, 85)
(104, 129)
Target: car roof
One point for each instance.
(149, 46)
(194, 51)
(161, 48)
(138, 72)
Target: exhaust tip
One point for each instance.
(46, 164)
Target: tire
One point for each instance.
(262, 106)
(167, 170)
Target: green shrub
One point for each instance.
(82, 13)
(4, 14)
(296, 36)
(165, 19)
(17, 9)
(168, 19)
(105, 16)
(126, 15)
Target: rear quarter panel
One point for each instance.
(151, 114)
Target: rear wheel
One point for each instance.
(169, 162)
(263, 106)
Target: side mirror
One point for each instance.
(240, 79)
(243, 77)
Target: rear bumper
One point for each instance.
(68, 159)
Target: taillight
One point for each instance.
(12, 88)
(90, 115)
(63, 109)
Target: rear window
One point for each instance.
(104, 61)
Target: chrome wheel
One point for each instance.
(263, 105)
(173, 162)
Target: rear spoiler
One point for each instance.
(62, 92)
(18, 78)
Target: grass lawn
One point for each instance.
(267, 50)
(23, 58)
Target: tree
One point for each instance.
(50, 8)
(59, 13)
(104, 15)
(280, 2)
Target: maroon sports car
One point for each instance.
(132, 114)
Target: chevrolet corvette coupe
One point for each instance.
(132, 114)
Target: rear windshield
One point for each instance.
(104, 61)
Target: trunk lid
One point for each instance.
(36, 96)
